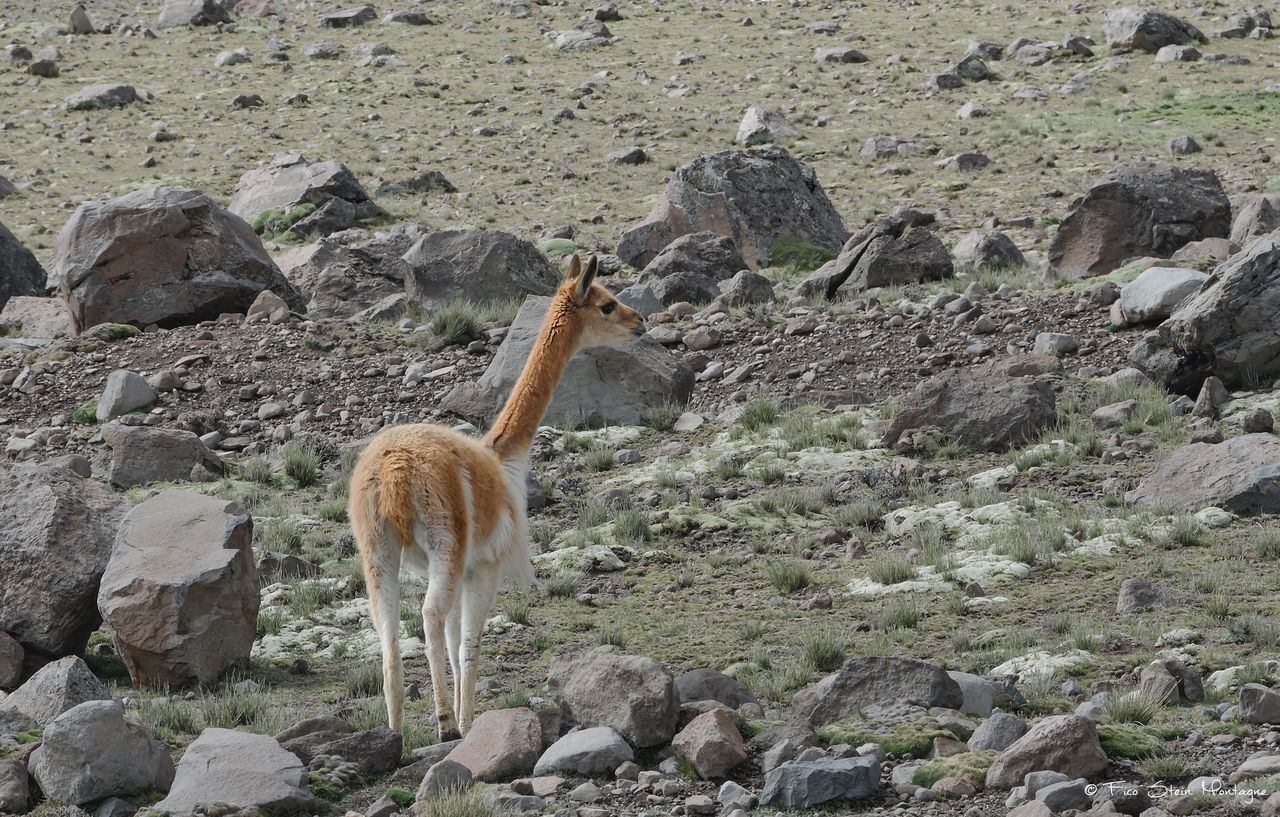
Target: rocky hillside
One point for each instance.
(942, 483)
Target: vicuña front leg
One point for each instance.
(477, 600)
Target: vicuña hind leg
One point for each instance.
(478, 590)
(453, 640)
(441, 595)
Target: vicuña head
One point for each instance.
(451, 508)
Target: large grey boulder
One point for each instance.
(602, 385)
(59, 530)
(475, 265)
(193, 13)
(291, 181)
(1139, 28)
(1256, 216)
(753, 196)
(1000, 731)
(593, 752)
(1140, 209)
(987, 411)
(377, 750)
(166, 256)
(34, 317)
(863, 682)
(11, 660)
(1259, 704)
(180, 593)
(365, 281)
(15, 790)
(982, 250)
(101, 96)
(692, 267)
(1157, 291)
(803, 784)
(141, 455)
(20, 272)
(633, 695)
(1067, 744)
(711, 744)
(55, 688)
(93, 751)
(124, 392)
(710, 685)
(889, 252)
(501, 744)
(1241, 475)
(239, 769)
(979, 693)
(1230, 328)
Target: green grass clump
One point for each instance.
(1266, 543)
(364, 680)
(915, 739)
(902, 615)
(270, 622)
(891, 568)
(1129, 741)
(280, 536)
(562, 585)
(255, 469)
(799, 254)
(1166, 769)
(472, 802)
(309, 596)
(611, 635)
(599, 458)
(631, 525)
(971, 766)
(789, 576)
(663, 417)
(333, 510)
(824, 650)
(456, 323)
(1132, 707)
(516, 609)
(301, 464)
(231, 709)
(86, 413)
(759, 413)
(170, 720)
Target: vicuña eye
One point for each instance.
(608, 308)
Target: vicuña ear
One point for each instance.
(575, 267)
(584, 282)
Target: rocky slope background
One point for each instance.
(943, 482)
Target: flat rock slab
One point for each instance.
(801, 784)
(864, 682)
(1241, 475)
(240, 769)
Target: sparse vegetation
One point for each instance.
(788, 576)
(301, 464)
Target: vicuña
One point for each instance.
(451, 508)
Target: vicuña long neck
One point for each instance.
(512, 433)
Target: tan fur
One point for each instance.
(452, 506)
